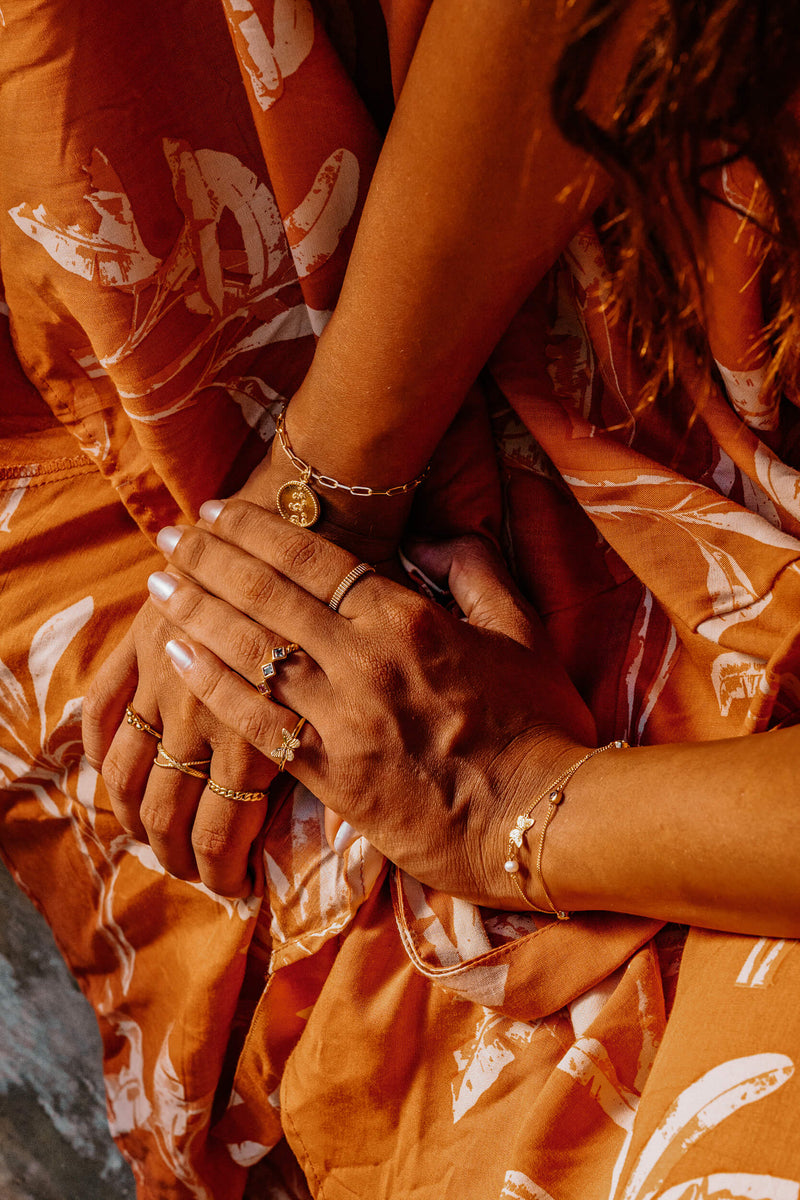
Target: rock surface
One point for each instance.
(54, 1141)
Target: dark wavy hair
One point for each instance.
(711, 73)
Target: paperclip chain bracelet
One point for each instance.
(297, 501)
(525, 821)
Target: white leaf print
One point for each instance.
(483, 1059)
(315, 227)
(434, 932)
(176, 1121)
(778, 480)
(128, 1105)
(763, 959)
(12, 696)
(115, 254)
(49, 643)
(737, 677)
(268, 63)
(519, 1187)
(700, 1107)
(10, 504)
(738, 1186)
(588, 1062)
(247, 1154)
(585, 1009)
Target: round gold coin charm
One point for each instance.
(298, 503)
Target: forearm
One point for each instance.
(474, 196)
(707, 834)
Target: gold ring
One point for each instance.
(350, 578)
(269, 670)
(138, 722)
(233, 794)
(166, 760)
(285, 752)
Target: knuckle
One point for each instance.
(94, 704)
(235, 518)
(157, 820)
(410, 619)
(116, 775)
(210, 843)
(255, 724)
(296, 551)
(190, 550)
(247, 645)
(186, 605)
(256, 587)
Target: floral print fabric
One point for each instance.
(178, 193)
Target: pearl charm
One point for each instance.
(511, 865)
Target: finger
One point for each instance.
(224, 828)
(267, 593)
(104, 703)
(170, 799)
(126, 766)
(482, 588)
(300, 555)
(233, 702)
(254, 652)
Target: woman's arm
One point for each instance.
(431, 736)
(474, 196)
(704, 833)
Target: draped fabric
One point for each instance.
(179, 189)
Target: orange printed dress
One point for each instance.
(179, 188)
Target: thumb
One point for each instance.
(481, 586)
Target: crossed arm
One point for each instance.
(475, 194)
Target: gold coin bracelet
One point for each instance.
(297, 501)
(525, 821)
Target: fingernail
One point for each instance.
(345, 837)
(180, 654)
(161, 585)
(211, 509)
(168, 538)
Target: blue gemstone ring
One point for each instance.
(269, 669)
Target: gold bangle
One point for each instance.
(297, 501)
(525, 821)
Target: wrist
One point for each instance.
(545, 864)
(530, 766)
(370, 526)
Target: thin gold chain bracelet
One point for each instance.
(297, 501)
(525, 821)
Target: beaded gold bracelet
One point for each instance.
(297, 501)
(526, 821)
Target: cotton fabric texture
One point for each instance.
(179, 189)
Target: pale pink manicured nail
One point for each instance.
(180, 654)
(211, 510)
(161, 585)
(168, 538)
(345, 837)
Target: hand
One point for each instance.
(194, 833)
(427, 734)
